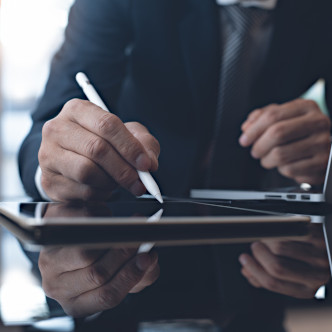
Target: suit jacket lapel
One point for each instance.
(289, 51)
(199, 43)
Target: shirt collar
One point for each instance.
(266, 4)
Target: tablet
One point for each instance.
(137, 221)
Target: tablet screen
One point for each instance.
(136, 210)
(144, 220)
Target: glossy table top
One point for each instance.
(237, 285)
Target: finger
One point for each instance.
(109, 127)
(288, 131)
(89, 277)
(151, 145)
(252, 117)
(304, 252)
(270, 115)
(310, 171)
(253, 281)
(61, 189)
(75, 167)
(317, 236)
(297, 150)
(288, 269)
(271, 283)
(150, 276)
(113, 292)
(57, 260)
(74, 138)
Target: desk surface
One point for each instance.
(195, 282)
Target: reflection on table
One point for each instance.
(237, 284)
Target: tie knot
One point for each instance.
(245, 18)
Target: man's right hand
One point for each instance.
(86, 153)
(85, 282)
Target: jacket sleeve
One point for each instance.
(327, 51)
(96, 39)
(328, 91)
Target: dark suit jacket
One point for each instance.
(157, 62)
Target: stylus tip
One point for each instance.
(159, 198)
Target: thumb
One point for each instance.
(149, 142)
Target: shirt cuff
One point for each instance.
(38, 184)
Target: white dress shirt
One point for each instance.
(266, 4)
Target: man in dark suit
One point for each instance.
(161, 67)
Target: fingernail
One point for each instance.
(255, 245)
(137, 188)
(243, 140)
(243, 259)
(143, 162)
(143, 262)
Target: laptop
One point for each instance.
(303, 193)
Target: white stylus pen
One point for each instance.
(91, 93)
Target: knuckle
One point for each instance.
(46, 182)
(287, 171)
(109, 124)
(49, 128)
(280, 248)
(43, 155)
(96, 148)
(49, 290)
(72, 105)
(126, 176)
(123, 254)
(276, 268)
(88, 194)
(43, 263)
(97, 275)
(109, 297)
(130, 149)
(269, 108)
(265, 163)
(310, 104)
(271, 114)
(270, 283)
(323, 123)
(84, 171)
(130, 276)
(277, 132)
(279, 155)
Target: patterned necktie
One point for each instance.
(240, 24)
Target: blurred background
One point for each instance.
(30, 33)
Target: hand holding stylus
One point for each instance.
(85, 282)
(86, 153)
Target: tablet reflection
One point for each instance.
(87, 281)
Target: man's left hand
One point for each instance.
(293, 137)
(294, 268)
